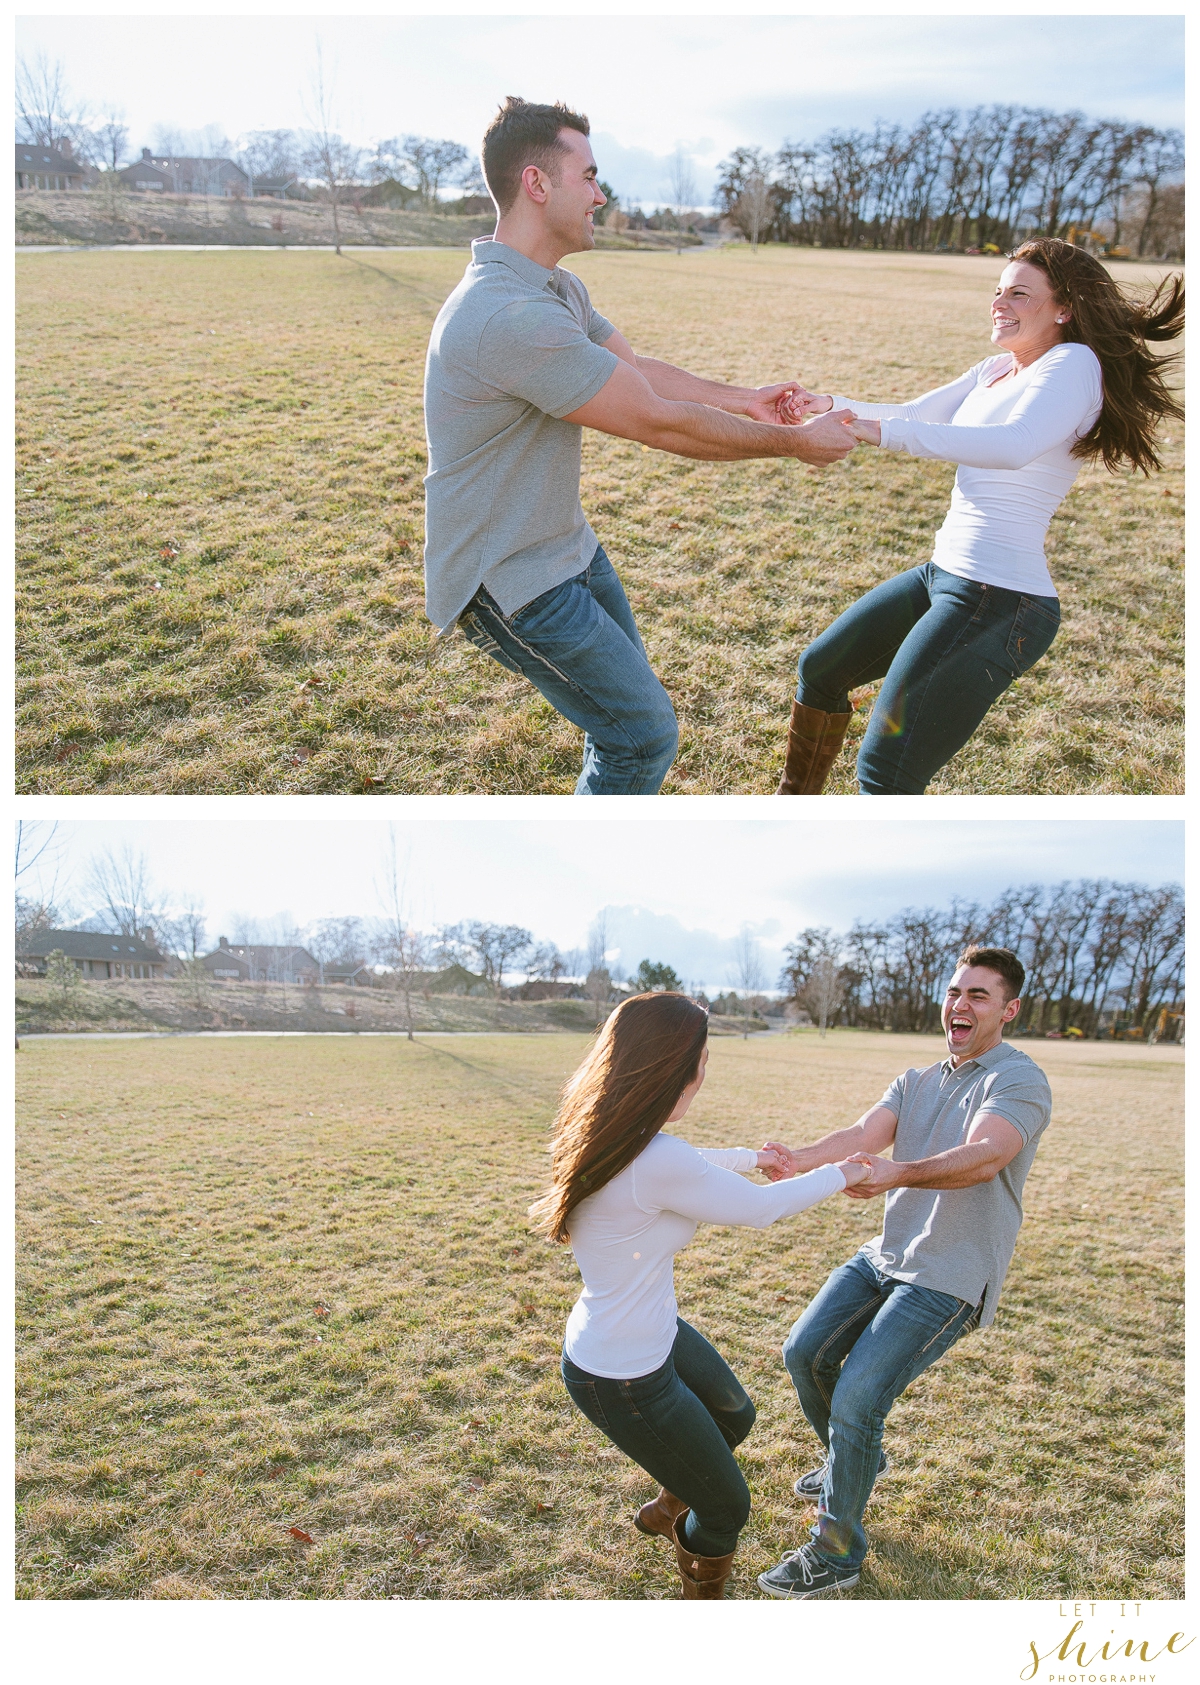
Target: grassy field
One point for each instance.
(219, 544)
(273, 1286)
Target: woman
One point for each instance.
(626, 1198)
(1073, 381)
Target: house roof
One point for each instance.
(265, 955)
(185, 164)
(46, 158)
(88, 945)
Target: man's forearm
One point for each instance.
(685, 388)
(959, 1167)
(713, 435)
(830, 1149)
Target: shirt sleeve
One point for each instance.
(684, 1182)
(894, 1098)
(940, 405)
(730, 1158)
(1061, 397)
(599, 328)
(536, 350)
(1021, 1098)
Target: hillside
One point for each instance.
(176, 1005)
(143, 219)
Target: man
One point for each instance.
(964, 1134)
(519, 363)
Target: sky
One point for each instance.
(705, 83)
(679, 894)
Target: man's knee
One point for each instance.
(800, 1349)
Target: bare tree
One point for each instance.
(754, 208)
(39, 844)
(434, 163)
(401, 946)
(340, 942)
(327, 155)
(111, 139)
(496, 947)
(749, 972)
(46, 114)
(598, 982)
(120, 885)
(823, 992)
(681, 182)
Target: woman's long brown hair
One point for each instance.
(1116, 328)
(612, 1108)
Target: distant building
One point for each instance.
(262, 963)
(277, 187)
(218, 178)
(53, 169)
(98, 954)
(354, 975)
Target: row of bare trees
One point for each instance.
(967, 179)
(1097, 955)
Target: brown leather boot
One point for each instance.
(703, 1577)
(814, 739)
(658, 1516)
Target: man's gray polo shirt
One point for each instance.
(515, 347)
(960, 1240)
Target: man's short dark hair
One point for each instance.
(1000, 960)
(521, 134)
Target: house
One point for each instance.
(277, 187)
(217, 178)
(98, 954)
(262, 963)
(354, 975)
(53, 169)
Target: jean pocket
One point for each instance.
(1034, 628)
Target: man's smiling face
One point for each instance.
(975, 1011)
(574, 195)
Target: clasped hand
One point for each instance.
(867, 1174)
(795, 406)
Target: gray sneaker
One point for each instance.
(802, 1573)
(809, 1485)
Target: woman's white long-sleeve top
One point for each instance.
(1012, 441)
(626, 1236)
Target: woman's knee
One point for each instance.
(738, 1422)
(817, 686)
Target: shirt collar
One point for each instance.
(495, 251)
(992, 1057)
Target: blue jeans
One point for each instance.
(858, 1345)
(945, 648)
(680, 1423)
(579, 646)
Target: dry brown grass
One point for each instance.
(220, 517)
(268, 1284)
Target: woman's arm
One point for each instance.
(940, 405)
(744, 1158)
(1061, 396)
(684, 1182)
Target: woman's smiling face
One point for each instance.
(1026, 317)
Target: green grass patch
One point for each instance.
(266, 1285)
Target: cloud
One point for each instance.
(699, 956)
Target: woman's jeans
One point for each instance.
(680, 1423)
(948, 647)
(858, 1345)
(579, 646)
